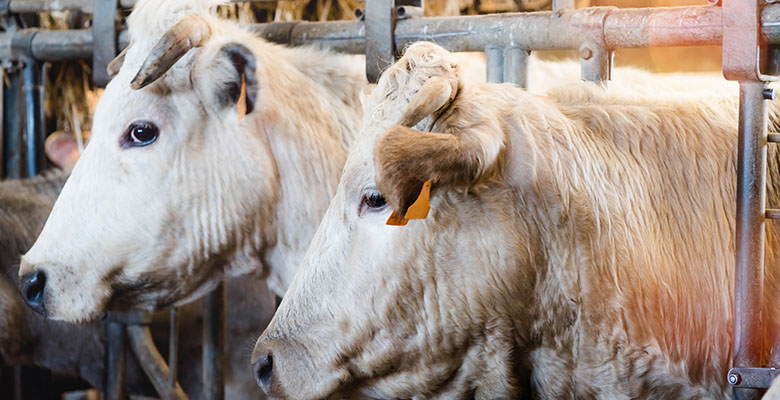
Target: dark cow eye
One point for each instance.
(141, 134)
(374, 200)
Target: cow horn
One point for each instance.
(116, 64)
(190, 32)
(434, 94)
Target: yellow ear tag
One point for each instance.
(418, 210)
(241, 105)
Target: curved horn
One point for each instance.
(116, 64)
(190, 32)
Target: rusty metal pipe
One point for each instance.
(751, 208)
(214, 344)
(116, 343)
(622, 28)
(152, 363)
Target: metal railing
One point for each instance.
(746, 33)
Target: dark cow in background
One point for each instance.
(27, 338)
(578, 245)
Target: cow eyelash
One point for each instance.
(373, 200)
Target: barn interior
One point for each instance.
(56, 61)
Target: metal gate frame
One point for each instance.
(746, 29)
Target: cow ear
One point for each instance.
(226, 77)
(406, 158)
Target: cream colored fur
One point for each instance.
(155, 225)
(597, 263)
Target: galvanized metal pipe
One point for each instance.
(12, 128)
(152, 362)
(173, 347)
(595, 63)
(494, 60)
(33, 104)
(116, 340)
(751, 205)
(87, 6)
(516, 66)
(620, 28)
(214, 344)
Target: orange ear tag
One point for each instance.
(418, 210)
(241, 105)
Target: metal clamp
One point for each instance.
(744, 47)
(380, 17)
(104, 39)
(753, 378)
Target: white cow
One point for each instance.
(578, 245)
(176, 188)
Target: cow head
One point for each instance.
(381, 311)
(175, 179)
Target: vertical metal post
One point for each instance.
(516, 66)
(595, 63)
(17, 371)
(33, 133)
(380, 41)
(104, 39)
(116, 340)
(495, 64)
(214, 345)
(12, 128)
(173, 347)
(559, 5)
(751, 204)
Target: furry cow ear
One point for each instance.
(410, 161)
(227, 78)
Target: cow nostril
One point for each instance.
(263, 369)
(32, 287)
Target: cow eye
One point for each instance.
(141, 134)
(374, 200)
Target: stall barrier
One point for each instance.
(746, 29)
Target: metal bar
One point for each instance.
(12, 128)
(753, 378)
(494, 59)
(379, 27)
(104, 37)
(772, 214)
(214, 344)
(33, 132)
(516, 66)
(87, 6)
(622, 28)
(751, 203)
(173, 347)
(595, 63)
(152, 362)
(560, 5)
(116, 340)
(17, 383)
(773, 138)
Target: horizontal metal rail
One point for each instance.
(609, 27)
(87, 6)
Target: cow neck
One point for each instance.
(304, 132)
